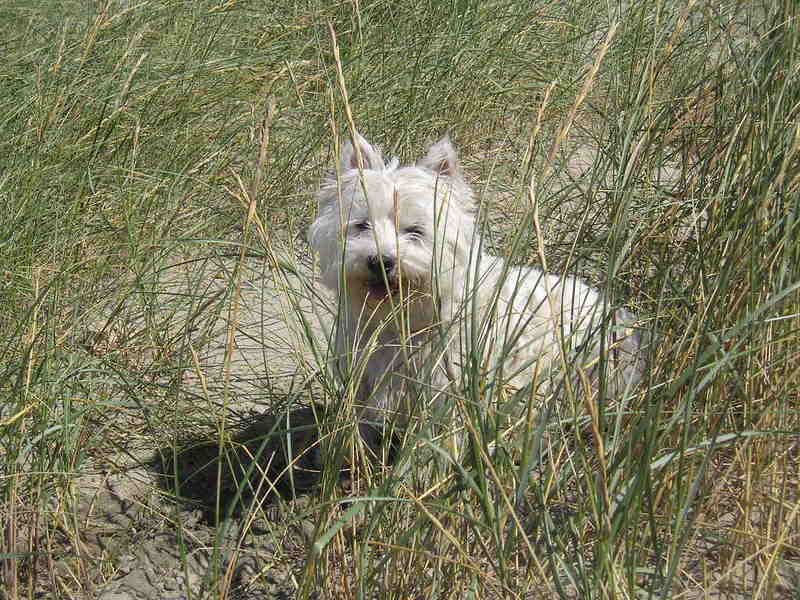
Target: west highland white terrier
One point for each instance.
(423, 309)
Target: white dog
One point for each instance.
(423, 308)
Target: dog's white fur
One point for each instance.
(419, 298)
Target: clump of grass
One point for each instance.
(155, 172)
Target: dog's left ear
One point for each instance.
(442, 158)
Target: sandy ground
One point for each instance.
(134, 540)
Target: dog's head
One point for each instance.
(393, 233)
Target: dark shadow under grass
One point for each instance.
(270, 456)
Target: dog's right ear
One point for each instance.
(359, 150)
(354, 153)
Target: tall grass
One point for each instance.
(156, 167)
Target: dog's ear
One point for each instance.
(442, 158)
(370, 156)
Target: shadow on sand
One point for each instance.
(270, 456)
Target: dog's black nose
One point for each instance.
(378, 265)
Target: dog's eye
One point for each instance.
(414, 231)
(362, 226)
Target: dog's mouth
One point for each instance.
(380, 289)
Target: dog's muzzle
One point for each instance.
(382, 274)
